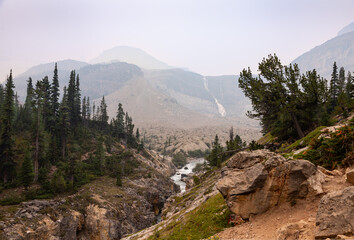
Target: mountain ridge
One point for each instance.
(130, 55)
(322, 57)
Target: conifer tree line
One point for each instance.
(219, 154)
(290, 104)
(47, 131)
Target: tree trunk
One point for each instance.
(297, 125)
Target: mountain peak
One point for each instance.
(67, 65)
(130, 55)
(346, 29)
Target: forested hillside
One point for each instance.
(65, 137)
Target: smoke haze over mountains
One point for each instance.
(207, 37)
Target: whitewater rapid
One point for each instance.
(177, 178)
(221, 108)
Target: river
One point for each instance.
(190, 165)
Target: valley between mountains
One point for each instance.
(128, 147)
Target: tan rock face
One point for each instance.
(301, 230)
(100, 225)
(243, 160)
(335, 215)
(255, 181)
(350, 176)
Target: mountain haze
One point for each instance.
(130, 55)
(321, 58)
(346, 29)
(164, 97)
(39, 71)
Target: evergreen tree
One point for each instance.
(334, 86)
(231, 134)
(275, 101)
(54, 98)
(84, 111)
(120, 122)
(215, 157)
(341, 81)
(137, 135)
(278, 97)
(94, 111)
(349, 88)
(7, 164)
(1, 95)
(29, 96)
(314, 99)
(64, 122)
(103, 114)
(27, 171)
(77, 100)
(71, 99)
(47, 110)
(38, 126)
(88, 109)
(99, 157)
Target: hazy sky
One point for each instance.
(209, 37)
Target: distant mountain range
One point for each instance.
(156, 93)
(339, 49)
(150, 90)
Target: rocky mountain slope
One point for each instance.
(99, 210)
(266, 197)
(322, 57)
(263, 195)
(161, 98)
(200, 138)
(215, 97)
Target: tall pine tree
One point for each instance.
(64, 122)
(54, 98)
(103, 114)
(334, 86)
(7, 164)
(27, 170)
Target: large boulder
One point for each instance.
(245, 159)
(350, 176)
(255, 181)
(335, 215)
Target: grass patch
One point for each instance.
(303, 142)
(206, 220)
(268, 138)
(13, 200)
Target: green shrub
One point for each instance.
(179, 159)
(13, 200)
(196, 180)
(331, 152)
(58, 183)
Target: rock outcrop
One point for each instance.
(301, 230)
(100, 210)
(335, 214)
(253, 182)
(350, 176)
